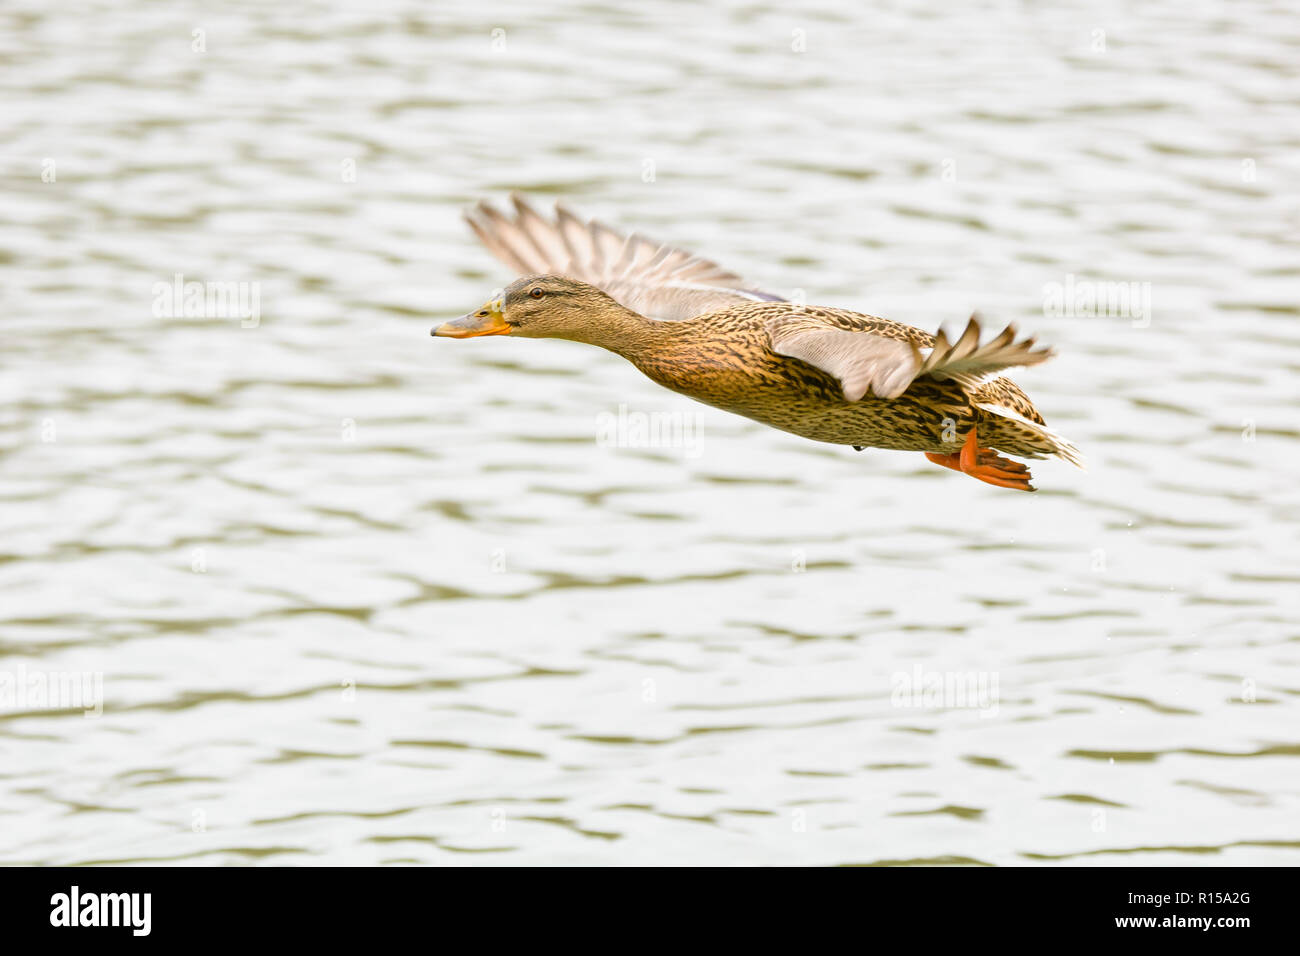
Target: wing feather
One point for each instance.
(654, 278)
(864, 359)
(970, 364)
(860, 360)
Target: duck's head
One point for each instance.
(538, 307)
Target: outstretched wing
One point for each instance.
(970, 364)
(652, 278)
(886, 358)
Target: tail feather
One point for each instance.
(1046, 442)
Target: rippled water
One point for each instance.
(359, 596)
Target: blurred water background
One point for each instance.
(354, 595)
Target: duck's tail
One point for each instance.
(1035, 440)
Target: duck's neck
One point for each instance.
(625, 332)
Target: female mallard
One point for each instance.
(826, 374)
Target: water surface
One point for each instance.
(358, 596)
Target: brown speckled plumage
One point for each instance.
(830, 375)
(724, 359)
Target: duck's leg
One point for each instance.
(986, 465)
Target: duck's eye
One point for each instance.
(535, 293)
(482, 313)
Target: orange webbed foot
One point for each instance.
(986, 465)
